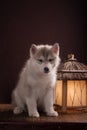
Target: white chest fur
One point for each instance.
(42, 81)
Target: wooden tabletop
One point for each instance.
(6, 114)
(7, 118)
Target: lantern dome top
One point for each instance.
(72, 69)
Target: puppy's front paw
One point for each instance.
(34, 114)
(52, 113)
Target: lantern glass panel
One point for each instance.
(58, 93)
(76, 93)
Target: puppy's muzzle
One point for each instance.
(46, 70)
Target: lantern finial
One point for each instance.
(71, 57)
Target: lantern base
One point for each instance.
(70, 109)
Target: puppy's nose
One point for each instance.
(46, 70)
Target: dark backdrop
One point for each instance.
(24, 23)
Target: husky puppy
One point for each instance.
(37, 80)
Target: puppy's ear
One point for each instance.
(33, 49)
(55, 48)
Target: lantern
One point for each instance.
(71, 85)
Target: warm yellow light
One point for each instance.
(58, 92)
(76, 93)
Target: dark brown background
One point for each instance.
(24, 23)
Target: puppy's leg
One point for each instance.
(48, 103)
(17, 103)
(32, 107)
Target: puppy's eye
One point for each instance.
(50, 60)
(40, 60)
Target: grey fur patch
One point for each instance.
(44, 52)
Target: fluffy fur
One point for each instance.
(37, 80)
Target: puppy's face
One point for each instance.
(45, 57)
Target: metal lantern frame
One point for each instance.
(64, 86)
(70, 70)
